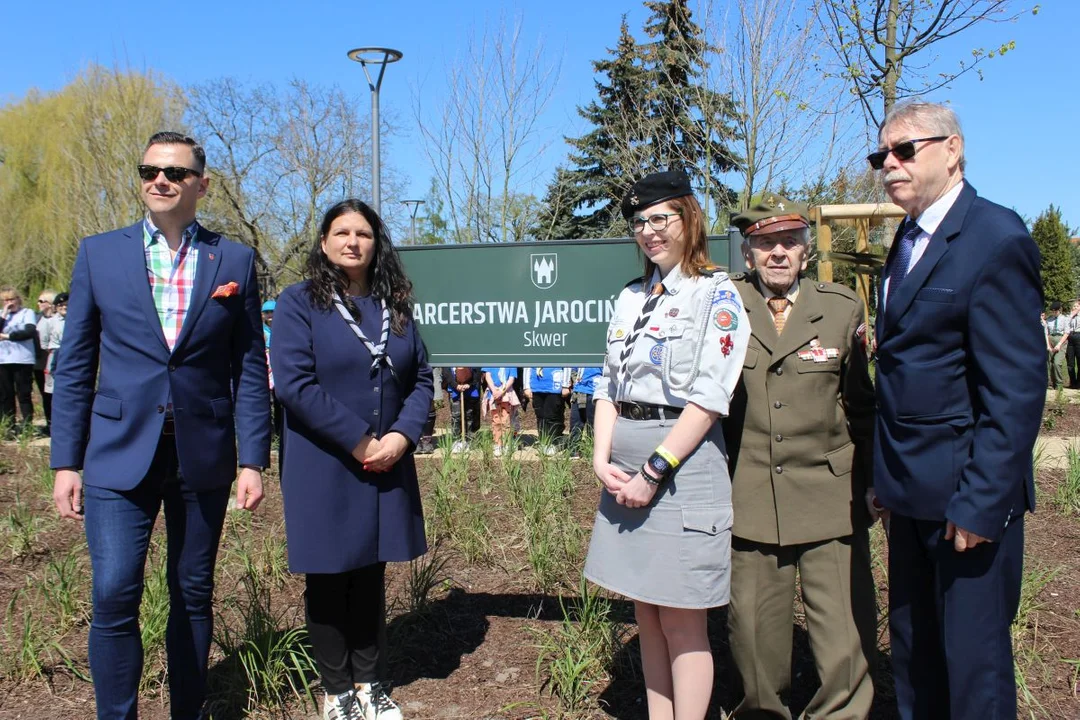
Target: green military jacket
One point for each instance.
(800, 432)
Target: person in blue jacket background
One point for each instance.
(548, 388)
(581, 405)
(351, 370)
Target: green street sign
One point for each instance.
(525, 304)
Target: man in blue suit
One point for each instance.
(161, 379)
(961, 381)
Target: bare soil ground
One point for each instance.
(470, 645)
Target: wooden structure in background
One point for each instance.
(862, 218)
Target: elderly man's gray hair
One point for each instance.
(933, 118)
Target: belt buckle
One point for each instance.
(168, 428)
(637, 412)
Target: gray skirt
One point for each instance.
(675, 552)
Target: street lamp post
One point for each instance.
(415, 204)
(381, 57)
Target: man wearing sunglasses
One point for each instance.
(961, 381)
(160, 384)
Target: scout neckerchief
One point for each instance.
(643, 319)
(378, 352)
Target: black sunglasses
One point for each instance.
(149, 173)
(904, 151)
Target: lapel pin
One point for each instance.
(211, 256)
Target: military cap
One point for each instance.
(655, 188)
(771, 214)
(61, 299)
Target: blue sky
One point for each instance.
(1017, 120)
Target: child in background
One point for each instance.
(502, 400)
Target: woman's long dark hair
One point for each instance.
(386, 276)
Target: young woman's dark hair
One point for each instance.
(386, 275)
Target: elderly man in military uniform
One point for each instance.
(799, 438)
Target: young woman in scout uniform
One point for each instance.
(662, 535)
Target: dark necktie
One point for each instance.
(643, 319)
(898, 268)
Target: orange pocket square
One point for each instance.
(226, 290)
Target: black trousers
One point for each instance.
(346, 622)
(16, 381)
(46, 398)
(550, 415)
(1072, 357)
(472, 416)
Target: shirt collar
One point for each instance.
(151, 233)
(933, 215)
(671, 281)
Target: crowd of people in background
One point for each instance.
(29, 342)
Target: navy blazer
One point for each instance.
(961, 373)
(338, 517)
(109, 424)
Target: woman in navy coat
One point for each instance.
(352, 374)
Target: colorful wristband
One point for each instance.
(667, 455)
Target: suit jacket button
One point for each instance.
(376, 388)
(779, 437)
(778, 404)
(779, 469)
(161, 408)
(779, 371)
(172, 368)
(375, 412)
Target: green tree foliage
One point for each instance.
(653, 111)
(68, 169)
(1052, 237)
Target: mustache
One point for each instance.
(895, 175)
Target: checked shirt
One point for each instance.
(171, 278)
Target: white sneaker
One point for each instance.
(459, 447)
(375, 704)
(549, 450)
(342, 707)
(497, 451)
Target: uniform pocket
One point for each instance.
(705, 543)
(841, 459)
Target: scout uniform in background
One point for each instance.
(1057, 327)
(1072, 346)
(799, 438)
(549, 386)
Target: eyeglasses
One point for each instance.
(42, 300)
(149, 173)
(657, 221)
(903, 151)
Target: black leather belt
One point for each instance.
(647, 411)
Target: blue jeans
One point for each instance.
(118, 527)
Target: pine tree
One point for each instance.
(652, 112)
(690, 121)
(605, 161)
(1052, 237)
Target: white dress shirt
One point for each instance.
(928, 224)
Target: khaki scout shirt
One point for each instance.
(800, 432)
(690, 350)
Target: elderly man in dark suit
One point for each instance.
(961, 364)
(799, 439)
(160, 383)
